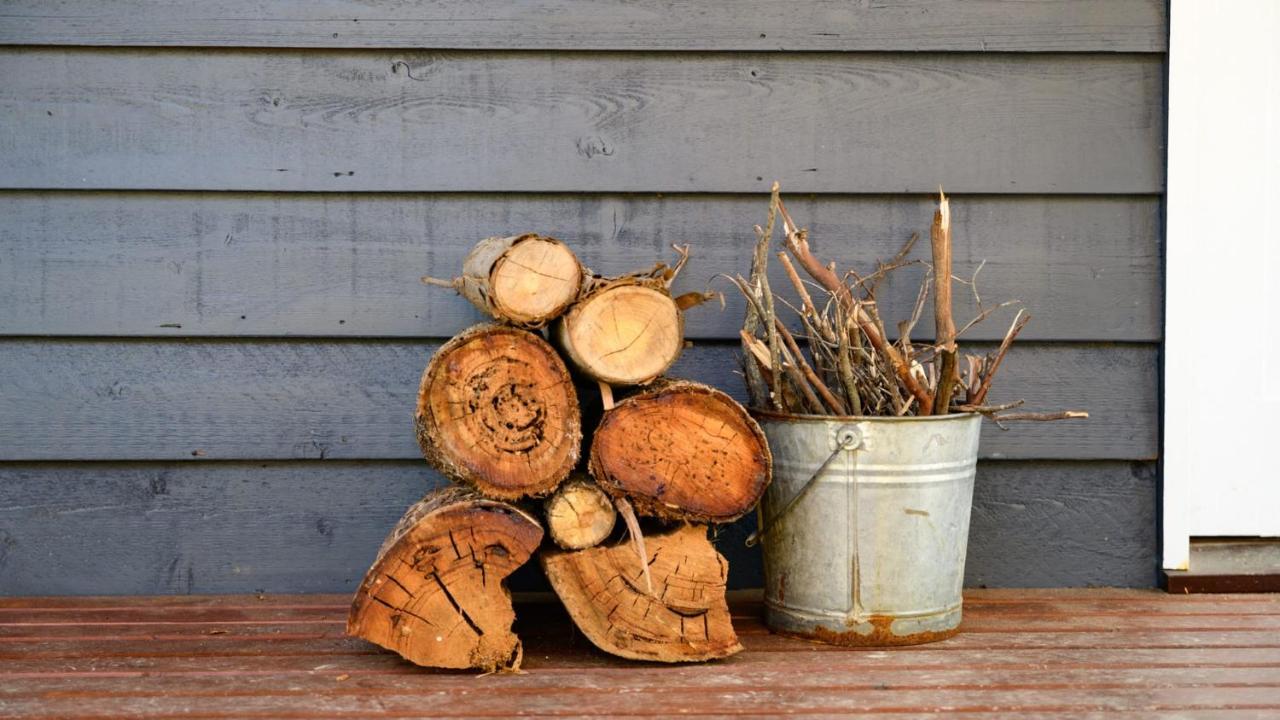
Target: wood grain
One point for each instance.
(222, 400)
(1064, 515)
(309, 526)
(1072, 25)
(530, 121)
(1040, 665)
(251, 264)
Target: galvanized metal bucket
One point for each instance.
(865, 526)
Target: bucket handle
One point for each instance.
(847, 438)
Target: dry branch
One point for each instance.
(940, 235)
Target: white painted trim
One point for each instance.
(1221, 259)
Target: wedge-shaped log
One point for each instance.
(623, 332)
(435, 594)
(527, 280)
(579, 514)
(498, 412)
(684, 618)
(682, 450)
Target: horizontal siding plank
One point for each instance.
(192, 400)
(1064, 524)
(312, 526)
(232, 264)
(1070, 25)
(530, 121)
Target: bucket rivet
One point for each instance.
(849, 437)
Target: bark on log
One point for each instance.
(685, 619)
(579, 515)
(626, 332)
(682, 450)
(527, 280)
(497, 410)
(435, 593)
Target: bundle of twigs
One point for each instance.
(852, 366)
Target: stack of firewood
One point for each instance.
(498, 413)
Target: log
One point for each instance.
(684, 619)
(435, 593)
(579, 515)
(626, 332)
(497, 411)
(681, 450)
(527, 280)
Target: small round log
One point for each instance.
(579, 515)
(626, 332)
(526, 280)
(497, 411)
(435, 593)
(681, 450)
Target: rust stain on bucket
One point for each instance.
(880, 635)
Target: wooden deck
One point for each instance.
(1078, 653)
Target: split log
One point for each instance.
(626, 332)
(681, 450)
(684, 619)
(527, 280)
(435, 593)
(497, 410)
(579, 515)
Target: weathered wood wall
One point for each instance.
(216, 214)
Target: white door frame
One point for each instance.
(1222, 304)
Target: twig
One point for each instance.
(940, 235)
(452, 284)
(756, 385)
(986, 314)
(806, 302)
(833, 403)
(989, 409)
(628, 514)
(883, 269)
(683, 251)
(844, 366)
(1038, 417)
(770, 319)
(798, 245)
(791, 367)
(1019, 321)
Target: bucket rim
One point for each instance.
(760, 414)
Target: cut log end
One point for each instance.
(497, 410)
(535, 281)
(579, 515)
(526, 280)
(684, 619)
(435, 593)
(625, 334)
(681, 450)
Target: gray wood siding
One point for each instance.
(211, 329)
(239, 264)
(987, 26)
(310, 526)
(260, 400)
(528, 122)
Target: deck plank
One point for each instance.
(1079, 653)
